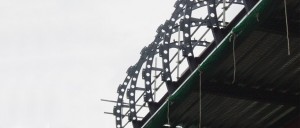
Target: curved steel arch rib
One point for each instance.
(181, 21)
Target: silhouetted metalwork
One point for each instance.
(186, 25)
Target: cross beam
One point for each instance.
(253, 94)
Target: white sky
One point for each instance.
(58, 58)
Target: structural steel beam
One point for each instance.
(253, 94)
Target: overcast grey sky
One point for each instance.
(58, 58)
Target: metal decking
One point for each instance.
(247, 78)
(266, 90)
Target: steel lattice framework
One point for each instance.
(182, 24)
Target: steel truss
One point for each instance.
(181, 22)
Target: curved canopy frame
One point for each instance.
(180, 24)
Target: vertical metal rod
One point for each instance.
(287, 28)
(224, 10)
(200, 93)
(168, 113)
(155, 76)
(233, 36)
(178, 53)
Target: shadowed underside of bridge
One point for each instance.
(260, 89)
(265, 92)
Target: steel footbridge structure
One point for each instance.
(217, 64)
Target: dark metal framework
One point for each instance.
(181, 21)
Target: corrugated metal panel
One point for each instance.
(262, 65)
